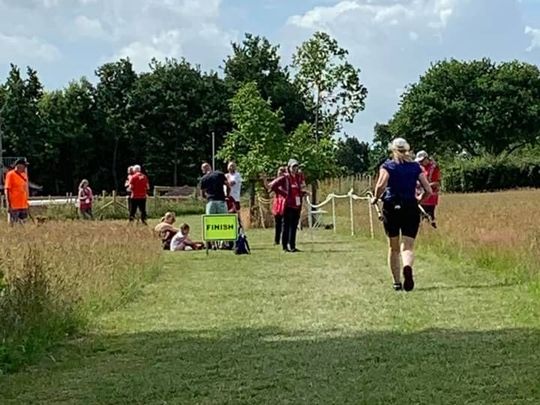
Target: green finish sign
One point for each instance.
(218, 227)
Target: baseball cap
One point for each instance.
(421, 155)
(399, 144)
(21, 161)
(293, 162)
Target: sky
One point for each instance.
(392, 42)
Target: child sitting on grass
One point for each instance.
(181, 241)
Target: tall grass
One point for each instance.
(57, 277)
(104, 210)
(495, 231)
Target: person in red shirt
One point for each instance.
(433, 175)
(16, 188)
(85, 200)
(138, 184)
(291, 186)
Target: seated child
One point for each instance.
(181, 241)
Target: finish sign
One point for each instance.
(217, 227)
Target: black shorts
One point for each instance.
(404, 220)
(16, 216)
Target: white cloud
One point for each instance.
(534, 33)
(168, 29)
(431, 13)
(14, 47)
(89, 27)
(320, 16)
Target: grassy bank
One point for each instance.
(56, 278)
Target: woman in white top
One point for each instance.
(235, 183)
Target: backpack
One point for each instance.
(241, 246)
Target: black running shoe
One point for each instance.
(408, 283)
(398, 287)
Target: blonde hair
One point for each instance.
(401, 156)
(82, 183)
(400, 150)
(168, 216)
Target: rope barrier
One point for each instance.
(314, 209)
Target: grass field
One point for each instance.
(322, 326)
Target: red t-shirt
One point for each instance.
(433, 175)
(290, 187)
(138, 185)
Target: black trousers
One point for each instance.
(279, 228)
(291, 217)
(137, 204)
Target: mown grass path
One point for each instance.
(322, 326)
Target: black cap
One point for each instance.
(21, 161)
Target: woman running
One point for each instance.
(396, 187)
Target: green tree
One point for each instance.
(352, 155)
(69, 120)
(257, 60)
(332, 85)
(475, 107)
(258, 142)
(325, 76)
(113, 95)
(175, 108)
(318, 158)
(19, 114)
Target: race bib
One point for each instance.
(298, 201)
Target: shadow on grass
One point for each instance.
(274, 366)
(467, 287)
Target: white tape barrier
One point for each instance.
(315, 209)
(57, 201)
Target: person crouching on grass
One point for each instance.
(181, 241)
(396, 186)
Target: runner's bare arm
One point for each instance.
(427, 188)
(382, 182)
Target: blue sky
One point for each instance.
(391, 41)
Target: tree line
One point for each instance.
(164, 118)
(261, 111)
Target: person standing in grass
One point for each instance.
(214, 187)
(128, 187)
(138, 184)
(278, 207)
(396, 186)
(17, 191)
(235, 183)
(433, 175)
(85, 199)
(291, 186)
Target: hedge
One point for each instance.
(490, 173)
